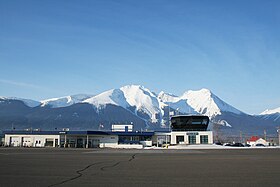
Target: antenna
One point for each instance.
(278, 130)
(168, 117)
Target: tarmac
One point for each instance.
(116, 167)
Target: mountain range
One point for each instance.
(131, 104)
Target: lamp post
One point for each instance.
(168, 122)
(278, 130)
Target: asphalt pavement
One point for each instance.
(113, 167)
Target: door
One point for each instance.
(14, 141)
(180, 139)
(80, 143)
(49, 142)
(192, 139)
(26, 142)
(204, 139)
(95, 143)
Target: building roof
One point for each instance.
(56, 132)
(188, 115)
(135, 133)
(253, 138)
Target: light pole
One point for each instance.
(168, 122)
(278, 130)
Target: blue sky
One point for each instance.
(56, 48)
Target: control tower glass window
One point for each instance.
(189, 123)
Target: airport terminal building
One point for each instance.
(184, 130)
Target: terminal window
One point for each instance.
(192, 139)
(179, 139)
(204, 139)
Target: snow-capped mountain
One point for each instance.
(145, 104)
(202, 102)
(273, 111)
(175, 102)
(141, 100)
(205, 102)
(65, 101)
(134, 98)
(132, 103)
(273, 114)
(114, 97)
(27, 102)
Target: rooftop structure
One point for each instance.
(189, 123)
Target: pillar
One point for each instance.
(65, 140)
(87, 142)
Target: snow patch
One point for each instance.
(143, 99)
(131, 96)
(27, 102)
(64, 101)
(224, 123)
(114, 97)
(273, 111)
(205, 102)
(192, 102)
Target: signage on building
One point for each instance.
(192, 133)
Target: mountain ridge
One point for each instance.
(134, 102)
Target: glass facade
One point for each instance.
(180, 139)
(133, 139)
(49, 143)
(192, 139)
(204, 139)
(189, 123)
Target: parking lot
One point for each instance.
(112, 167)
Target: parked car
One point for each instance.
(227, 144)
(237, 145)
(259, 145)
(218, 143)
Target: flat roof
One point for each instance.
(134, 133)
(189, 115)
(56, 132)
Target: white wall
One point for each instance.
(209, 134)
(32, 140)
(259, 141)
(121, 128)
(107, 139)
(14, 141)
(94, 140)
(146, 143)
(174, 134)
(121, 146)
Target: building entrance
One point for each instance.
(192, 139)
(180, 139)
(204, 139)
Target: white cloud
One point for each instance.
(21, 84)
(28, 86)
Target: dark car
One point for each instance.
(237, 145)
(259, 145)
(218, 143)
(227, 144)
